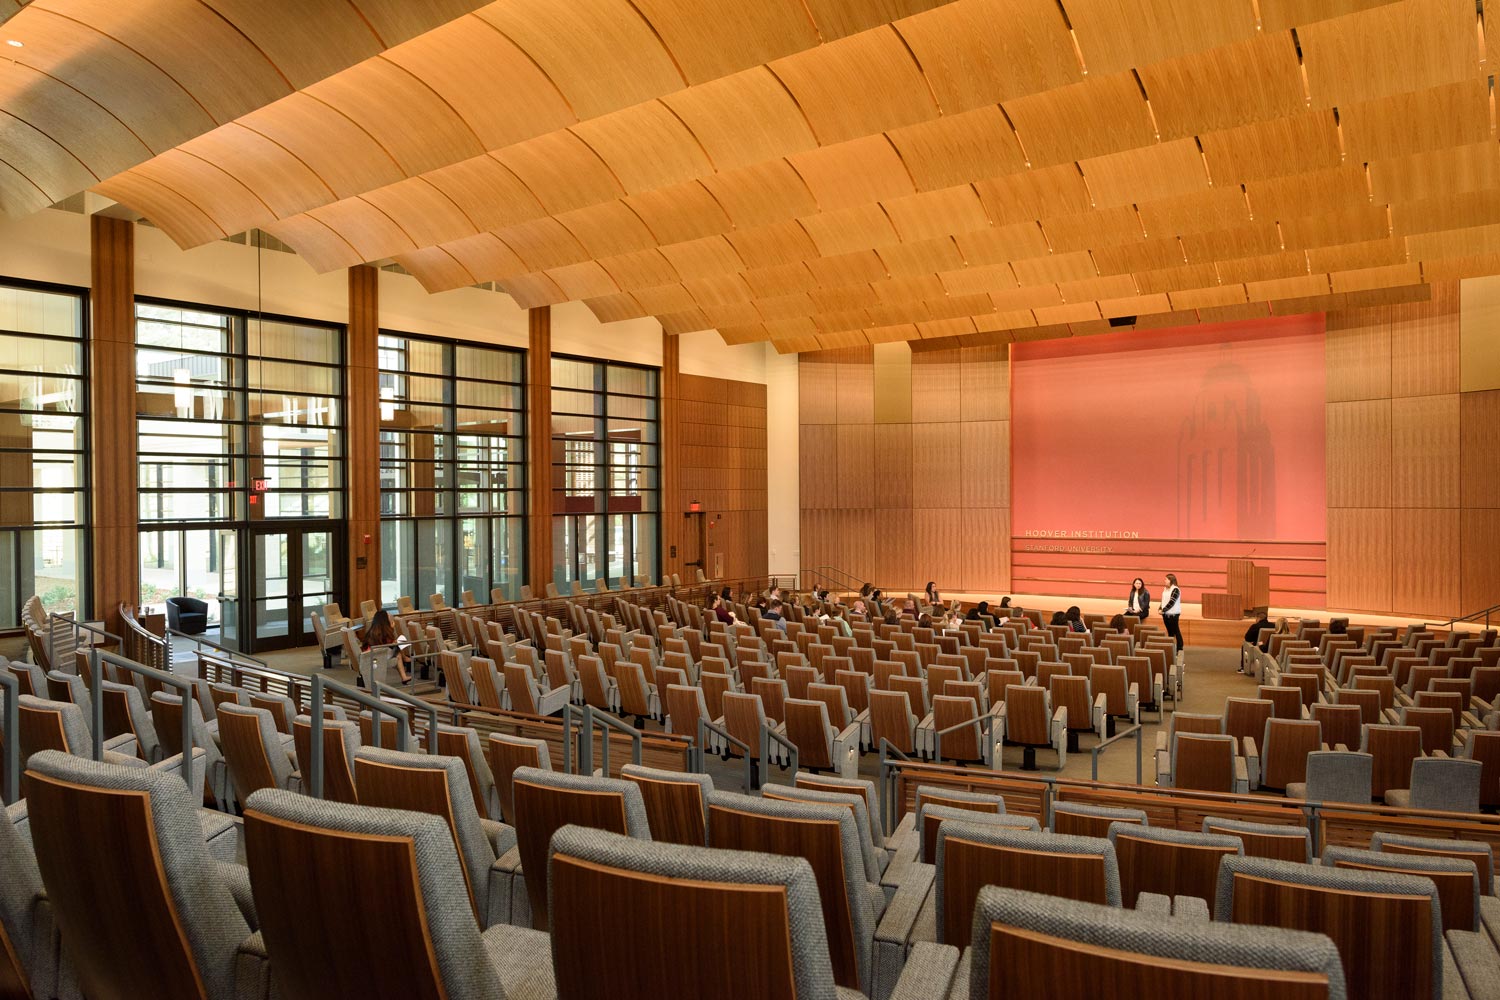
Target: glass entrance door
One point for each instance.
(294, 571)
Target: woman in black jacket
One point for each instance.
(1139, 601)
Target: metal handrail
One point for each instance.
(828, 573)
(69, 620)
(767, 737)
(1137, 730)
(704, 727)
(986, 724)
(591, 715)
(99, 657)
(10, 782)
(425, 707)
(376, 707)
(233, 654)
(1474, 615)
(887, 752)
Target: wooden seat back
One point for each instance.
(1286, 701)
(1341, 724)
(338, 773)
(1436, 725)
(635, 697)
(675, 810)
(1384, 940)
(1028, 715)
(773, 695)
(1246, 718)
(963, 744)
(1482, 857)
(506, 755)
(1454, 701)
(1204, 762)
(1455, 889)
(915, 689)
(807, 727)
(540, 811)
(744, 717)
(1394, 748)
(891, 719)
(998, 680)
(125, 934)
(244, 753)
(1112, 683)
(835, 699)
(1386, 687)
(1283, 757)
(1290, 846)
(1073, 693)
(1168, 868)
(969, 865)
(1366, 700)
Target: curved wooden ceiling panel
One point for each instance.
(1116, 35)
(99, 140)
(744, 119)
(51, 171)
(490, 195)
(857, 86)
(601, 54)
(561, 171)
(326, 36)
(286, 184)
(646, 147)
(712, 38)
(221, 197)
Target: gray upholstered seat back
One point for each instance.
(1235, 826)
(270, 741)
(636, 823)
(1132, 931)
(456, 940)
(75, 727)
(1109, 813)
(1446, 784)
(811, 969)
(704, 782)
(865, 787)
(78, 691)
(1339, 776)
(482, 773)
(20, 888)
(205, 906)
(140, 719)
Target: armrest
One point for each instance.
(252, 969)
(901, 913)
(929, 972)
(123, 744)
(237, 878)
(1161, 741)
(1241, 776)
(1154, 903)
(1252, 762)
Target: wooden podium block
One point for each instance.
(1223, 606)
(1251, 582)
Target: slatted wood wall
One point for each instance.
(898, 499)
(1413, 482)
(721, 453)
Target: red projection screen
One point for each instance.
(1146, 452)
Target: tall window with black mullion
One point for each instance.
(605, 469)
(452, 467)
(43, 450)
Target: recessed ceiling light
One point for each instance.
(13, 43)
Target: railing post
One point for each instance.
(10, 788)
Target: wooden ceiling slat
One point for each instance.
(220, 196)
(487, 191)
(371, 232)
(325, 37)
(730, 314)
(185, 222)
(561, 171)
(344, 156)
(1117, 35)
(284, 182)
(688, 321)
(52, 171)
(783, 243)
(1208, 298)
(1058, 190)
(584, 281)
(978, 52)
(857, 86)
(1147, 174)
(608, 228)
(1176, 279)
(646, 147)
(320, 246)
(1001, 244)
(1286, 288)
(1028, 298)
(743, 119)
(1291, 145)
(1134, 305)
(954, 149)
(935, 328)
(1309, 193)
(1205, 211)
(1251, 80)
(1091, 229)
(1101, 114)
(1356, 225)
(1078, 312)
(643, 269)
(1455, 114)
(1354, 256)
(1390, 276)
(786, 307)
(709, 257)
(1267, 267)
(469, 63)
(435, 269)
(485, 256)
(1112, 286)
(923, 287)
(532, 291)
(101, 142)
(614, 308)
(1073, 266)
(969, 281)
(850, 229)
(680, 213)
(601, 54)
(1448, 212)
(542, 243)
(711, 39)
(780, 279)
(424, 213)
(762, 194)
(718, 291)
(1390, 49)
(857, 268)
(1449, 171)
(397, 21)
(925, 257)
(853, 173)
(1146, 255)
(664, 299)
(936, 213)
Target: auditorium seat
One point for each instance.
(154, 914)
(676, 803)
(1245, 719)
(1081, 819)
(462, 742)
(1265, 840)
(340, 741)
(821, 746)
(828, 837)
(166, 714)
(1207, 762)
(548, 800)
(1283, 753)
(254, 752)
(1457, 880)
(1024, 944)
(43, 724)
(1387, 928)
(1393, 749)
(698, 899)
(1169, 863)
(1341, 724)
(422, 938)
(1440, 783)
(1182, 722)
(1028, 720)
(1335, 776)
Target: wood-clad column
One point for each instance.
(116, 504)
(670, 494)
(539, 449)
(362, 437)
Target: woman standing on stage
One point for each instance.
(1139, 603)
(1171, 609)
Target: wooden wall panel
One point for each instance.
(895, 564)
(820, 462)
(1359, 558)
(115, 535)
(1425, 344)
(818, 396)
(1479, 449)
(986, 553)
(1359, 453)
(984, 392)
(938, 545)
(671, 452)
(1358, 356)
(363, 422)
(856, 465)
(1425, 562)
(893, 466)
(722, 461)
(856, 387)
(935, 386)
(1479, 541)
(985, 463)
(936, 481)
(1424, 451)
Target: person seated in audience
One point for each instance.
(891, 618)
(978, 611)
(1117, 623)
(1281, 628)
(865, 589)
(383, 633)
(860, 608)
(1139, 601)
(1339, 626)
(909, 608)
(722, 612)
(1253, 635)
(773, 614)
(924, 620)
(933, 600)
(1075, 620)
(725, 595)
(1005, 602)
(1058, 618)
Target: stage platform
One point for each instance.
(1196, 630)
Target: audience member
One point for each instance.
(773, 614)
(383, 633)
(1117, 623)
(1058, 618)
(978, 611)
(1075, 620)
(721, 610)
(1253, 636)
(933, 599)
